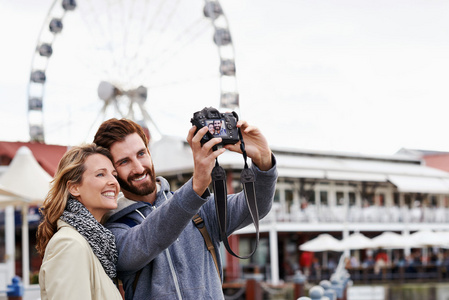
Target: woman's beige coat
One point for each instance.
(70, 269)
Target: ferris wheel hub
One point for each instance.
(107, 91)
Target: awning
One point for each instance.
(355, 176)
(415, 184)
(301, 173)
(332, 175)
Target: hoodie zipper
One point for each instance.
(169, 259)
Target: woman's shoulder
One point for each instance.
(67, 239)
(68, 250)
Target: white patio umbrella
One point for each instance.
(391, 240)
(356, 241)
(25, 182)
(25, 178)
(8, 198)
(444, 237)
(323, 242)
(425, 238)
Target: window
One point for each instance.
(310, 197)
(408, 200)
(396, 199)
(352, 199)
(323, 198)
(433, 201)
(288, 199)
(277, 196)
(340, 198)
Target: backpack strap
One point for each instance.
(131, 223)
(127, 221)
(136, 279)
(119, 285)
(199, 223)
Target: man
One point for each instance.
(162, 255)
(219, 130)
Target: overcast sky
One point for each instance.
(352, 75)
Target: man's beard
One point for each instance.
(143, 190)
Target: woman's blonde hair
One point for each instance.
(70, 171)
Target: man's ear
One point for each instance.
(73, 189)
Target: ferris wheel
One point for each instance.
(155, 62)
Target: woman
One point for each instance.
(211, 128)
(79, 254)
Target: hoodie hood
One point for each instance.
(125, 205)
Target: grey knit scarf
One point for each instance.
(100, 239)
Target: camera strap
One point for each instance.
(247, 178)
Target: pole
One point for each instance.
(25, 247)
(10, 242)
(274, 257)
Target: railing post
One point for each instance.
(15, 290)
(299, 280)
(253, 290)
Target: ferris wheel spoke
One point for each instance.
(121, 60)
(117, 108)
(101, 116)
(98, 31)
(156, 132)
(156, 39)
(130, 114)
(167, 54)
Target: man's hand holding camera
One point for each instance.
(202, 145)
(256, 146)
(203, 158)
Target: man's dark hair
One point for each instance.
(114, 130)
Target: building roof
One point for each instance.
(408, 173)
(434, 159)
(47, 156)
(172, 155)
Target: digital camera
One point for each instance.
(223, 125)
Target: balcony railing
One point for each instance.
(355, 214)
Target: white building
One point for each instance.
(317, 192)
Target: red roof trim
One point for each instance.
(47, 156)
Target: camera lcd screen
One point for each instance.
(216, 127)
